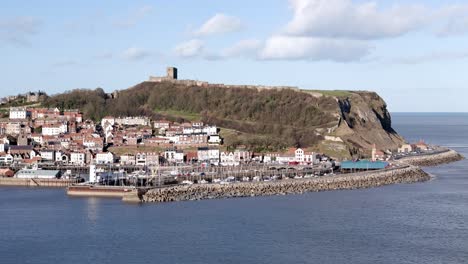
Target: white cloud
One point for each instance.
(18, 30)
(243, 48)
(455, 20)
(315, 49)
(191, 48)
(133, 18)
(335, 30)
(219, 24)
(135, 54)
(345, 19)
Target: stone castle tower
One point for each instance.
(172, 73)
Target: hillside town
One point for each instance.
(50, 137)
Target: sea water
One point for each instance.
(407, 223)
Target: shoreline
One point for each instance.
(35, 183)
(409, 171)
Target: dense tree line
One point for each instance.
(268, 119)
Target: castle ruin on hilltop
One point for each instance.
(172, 77)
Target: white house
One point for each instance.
(78, 158)
(206, 154)
(108, 132)
(285, 158)
(173, 155)
(61, 156)
(47, 155)
(214, 139)
(133, 121)
(228, 159)
(105, 158)
(302, 156)
(127, 159)
(13, 128)
(405, 148)
(93, 142)
(152, 158)
(54, 130)
(242, 155)
(3, 147)
(164, 124)
(6, 158)
(37, 138)
(234, 158)
(51, 130)
(18, 113)
(210, 130)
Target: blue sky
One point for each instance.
(413, 53)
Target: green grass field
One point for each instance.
(334, 93)
(182, 114)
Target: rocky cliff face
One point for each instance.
(364, 121)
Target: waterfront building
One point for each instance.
(105, 158)
(362, 165)
(47, 155)
(78, 158)
(208, 154)
(127, 159)
(174, 155)
(37, 174)
(228, 159)
(421, 146)
(62, 156)
(405, 148)
(151, 158)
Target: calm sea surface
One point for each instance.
(415, 223)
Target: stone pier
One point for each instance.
(402, 174)
(440, 158)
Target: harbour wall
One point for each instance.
(443, 157)
(403, 174)
(36, 182)
(99, 191)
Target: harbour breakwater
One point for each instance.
(435, 159)
(402, 174)
(407, 171)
